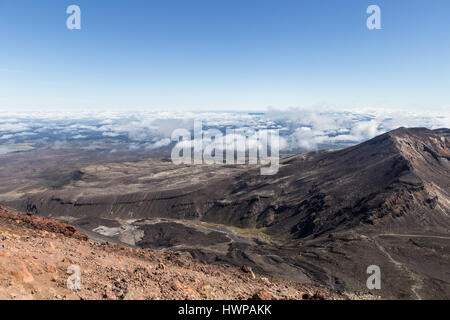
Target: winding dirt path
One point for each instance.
(411, 235)
(418, 281)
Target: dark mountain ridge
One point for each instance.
(399, 180)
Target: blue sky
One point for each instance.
(224, 55)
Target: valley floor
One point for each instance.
(34, 259)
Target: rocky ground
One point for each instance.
(36, 252)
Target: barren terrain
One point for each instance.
(34, 264)
(323, 219)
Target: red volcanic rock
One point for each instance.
(262, 295)
(43, 223)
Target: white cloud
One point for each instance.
(13, 127)
(110, 134)
(300, 129)
(158, 144)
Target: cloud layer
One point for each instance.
(300, 130)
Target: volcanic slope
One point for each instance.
(325, 216)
